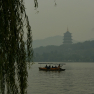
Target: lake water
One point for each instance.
(78, 78)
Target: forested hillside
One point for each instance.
(79, 52)
(55, 40)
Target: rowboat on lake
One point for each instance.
(51, 68)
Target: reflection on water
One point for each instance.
(78, 78)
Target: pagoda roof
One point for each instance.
(67, 32)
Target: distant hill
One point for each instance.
(91, 39)
(55, 40)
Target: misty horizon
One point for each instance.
(55, 40)
(90, 39)
(52, 20)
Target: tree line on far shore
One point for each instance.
(78, 52)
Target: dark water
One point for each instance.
(77, 79)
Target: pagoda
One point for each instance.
(67, 37)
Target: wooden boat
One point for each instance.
(49, 68)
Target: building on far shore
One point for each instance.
(67, 37)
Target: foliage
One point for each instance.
(79, 52)
(13, 55)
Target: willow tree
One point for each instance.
(13, 50)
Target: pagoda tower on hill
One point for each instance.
(67, 37)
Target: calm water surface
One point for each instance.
(78, 78)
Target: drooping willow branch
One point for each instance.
(36, 3)
(13, 52)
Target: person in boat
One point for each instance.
(59, 66)
(49, 66)
(55, 66)
(46, 66)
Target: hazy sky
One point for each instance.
(52, 20)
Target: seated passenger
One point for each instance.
(49, 66)
(46, 66)
(59, 66)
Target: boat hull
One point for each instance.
(51, 69)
